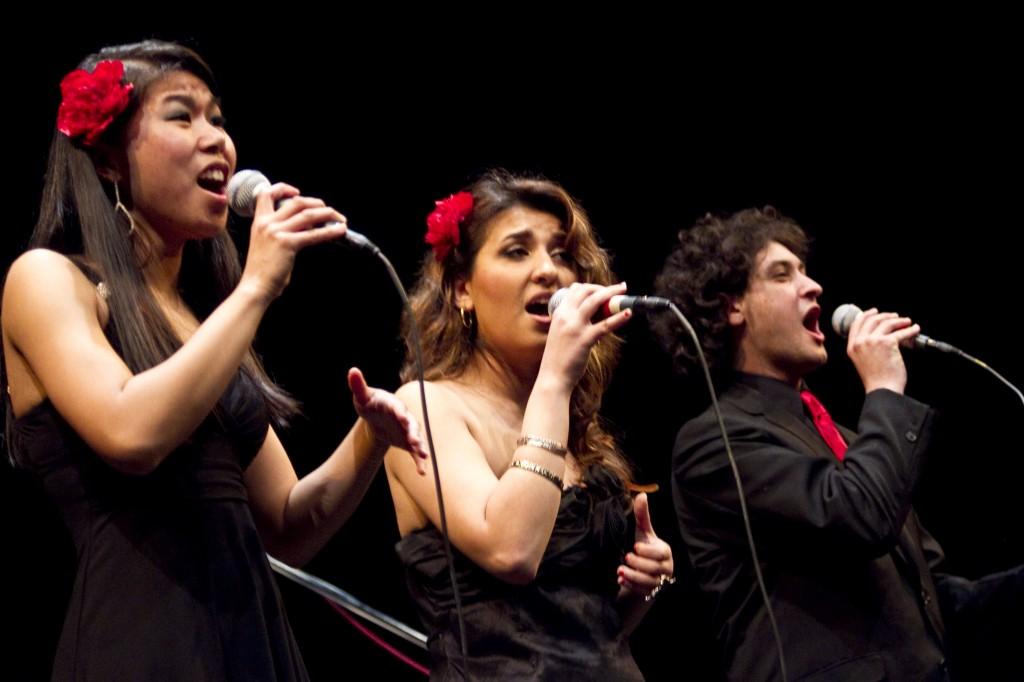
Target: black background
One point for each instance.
(895, 143)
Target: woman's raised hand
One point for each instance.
(285, 223)
(573, 331)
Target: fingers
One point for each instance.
(647, 567)
(413, 443)
(610, 324)
(419, 458)
(587, 300)
(307, 228)
(643, 565)
(267, 201)
(637, 581)
(572, 333)
(282, 210)
(882, 323)
(409, 429)
(873, 347)
(873, 322)
(642, 512)
(361, 392)
(595, 297)
(655, 550)
(642, 579)
(416, 445)
(872, 326)
(892, 324)
(907, 334)
(388, 418)
(859, 320)
(302, 214)
(284, 224)
(293, 213)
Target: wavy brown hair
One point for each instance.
(448, 345)
(710, 266)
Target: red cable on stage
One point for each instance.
(373, 637)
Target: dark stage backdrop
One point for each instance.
(901, 162)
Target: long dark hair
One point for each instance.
(77, 218)
(448, 345)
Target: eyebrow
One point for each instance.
(190, 101)
(526, 234)
(784, 262)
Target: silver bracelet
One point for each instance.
(551, 446)
(662, 581)
(535, 468)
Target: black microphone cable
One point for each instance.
(844, 315)
(364, 243)
(243, 189)
(739, 486)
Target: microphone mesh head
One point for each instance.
(843, 317)
(243, 188)
(556, 300)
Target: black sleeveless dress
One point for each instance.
(172, 581)
(562, 626)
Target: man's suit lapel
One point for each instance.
(753, 402)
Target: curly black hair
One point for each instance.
(709, 267)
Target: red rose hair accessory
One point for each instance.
(443, 223)
(91, 101)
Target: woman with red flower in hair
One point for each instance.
(133, 394)
(553, 560)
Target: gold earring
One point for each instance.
(121, 208)
(467, 318)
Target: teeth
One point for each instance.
(214, 174)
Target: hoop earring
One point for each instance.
(121, 208)
(467, 318)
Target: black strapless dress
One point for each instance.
(562, 626)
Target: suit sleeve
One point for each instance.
(804, 502)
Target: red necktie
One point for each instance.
(823, 422)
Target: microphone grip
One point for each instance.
(352, 238)
(922, 341)
(621, 302)
(843, 318)
(616, 304)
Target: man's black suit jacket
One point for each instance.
(845, 561)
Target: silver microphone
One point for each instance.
(845, 314)
(615, 304)
(246, 185)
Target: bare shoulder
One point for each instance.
(440, 394)
(46, 300)
(45, 285)
(41, 260)
(40, 279)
